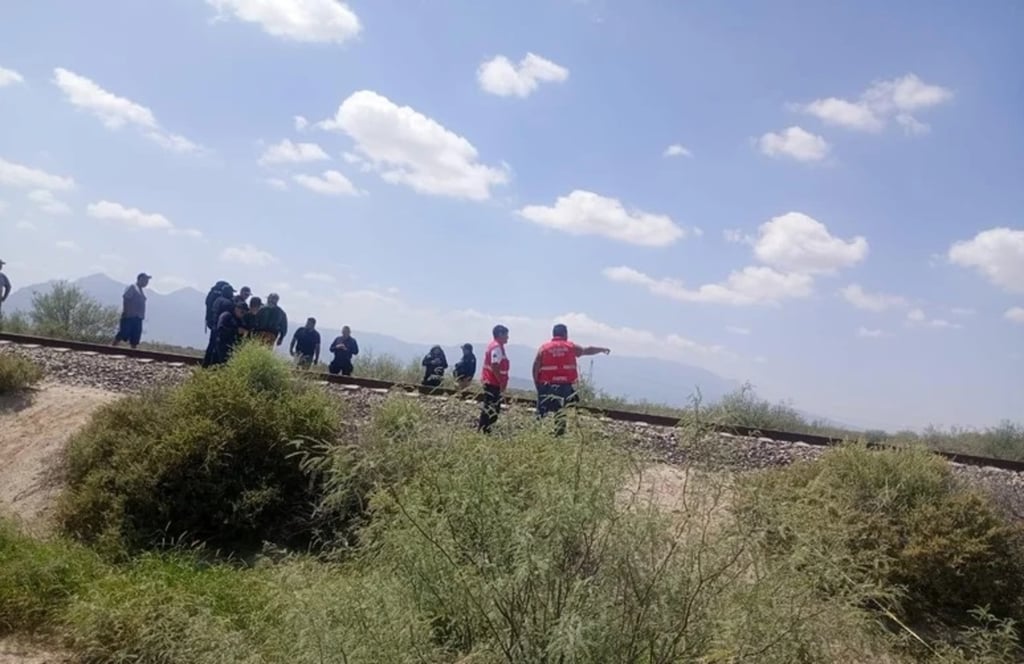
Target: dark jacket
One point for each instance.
(466, 367)
(272, 318)
(434, 364)
(344, 355)
(227, 329)
(219, 305)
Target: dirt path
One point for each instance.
(16, 652)
(34, 429)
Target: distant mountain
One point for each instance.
(177, 318)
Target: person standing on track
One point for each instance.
(228, 332)
(555, 374)
(133, 312)
(343, 347)
(494, 377)
(220, 304)
(5, 290)
(271, 322)
(306, 345)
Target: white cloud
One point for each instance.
(860, 298)
(128, 216)
(48, 203)
(187, 232)
(248, 255)
(332, 183)
(307, 21)
(676, 150)
(16, 175)
(895, 99)
(962, 311)
(795, 143)
(277, 183)
(869, 333)
(997, 253)
(736, 236)
(1015, 315)
(796, 242)
(319, 276)
(10, 77)
(287, 152)
(737, 330)
(499, 76)
(25, 225)
(68, 245)
(116, 112)
(301, 123)
(917, 317)
(407, 147)
(587, 213)
(751, 285)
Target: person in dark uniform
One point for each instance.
(343, 347)
(220, 304)
(434, 363)
(306, 345)
(229, 331)
(465, 368)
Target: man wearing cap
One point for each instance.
(5, 288)
(555, 374)
(133, 311)
(465, 368)
(494, 377)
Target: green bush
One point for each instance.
(37, 578)
(17, 373)
(217, 461)
(892, 519)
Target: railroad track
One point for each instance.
(382, 385)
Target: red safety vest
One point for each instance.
(487, 376)
(558, 363)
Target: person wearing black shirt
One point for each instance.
(306, 344)
(229, 332)
(343, 347)
(434, 364)
(465, 368)
(220, 304)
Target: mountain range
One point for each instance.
(177, 318)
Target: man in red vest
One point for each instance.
(494, 377)
(555, 374)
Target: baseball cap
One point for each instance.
(143, 275)
(560, 330)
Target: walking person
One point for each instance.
(494, 377)
(343, 347)
(133, 312)
(5, 291)
(306, 345)
(434, 363)
(465, 368)
(555, 374)
(271, 323)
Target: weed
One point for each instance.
(17, 373)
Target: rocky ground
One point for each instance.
(126, 375)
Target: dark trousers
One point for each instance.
(344, 367)
(490, 409)
(553, 398)
(211, 349)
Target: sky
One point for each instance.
(824, 199)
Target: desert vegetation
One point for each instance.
(240, 518)
(17, 374)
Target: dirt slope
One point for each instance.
(33, 432)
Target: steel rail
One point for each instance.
(612, 414)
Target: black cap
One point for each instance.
(143, 275)
(560, 331)
(499, 330)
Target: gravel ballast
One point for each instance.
(127, 375)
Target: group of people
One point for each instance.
(555, 373)
(231, 317)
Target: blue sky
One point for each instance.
(839, 220)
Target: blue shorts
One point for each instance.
(130, 330)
